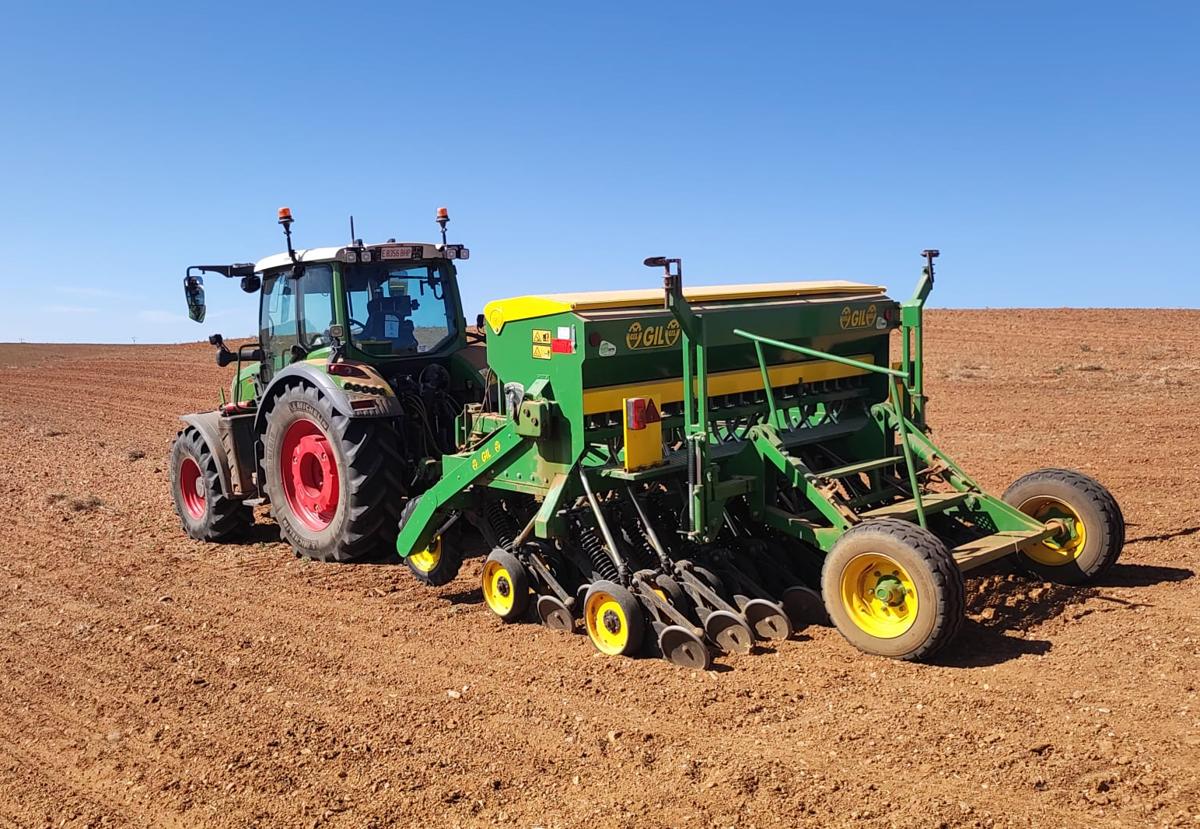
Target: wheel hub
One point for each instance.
(612, 623)
(191, 488)
(503, 587)
(309, 474)
(889, 590)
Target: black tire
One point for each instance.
(1041, 493)
(207, 513)
(365, 519)
(442, 559)
(934, 577)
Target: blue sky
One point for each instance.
(1049, 149)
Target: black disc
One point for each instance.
(684, 648)
(554, 614)
(767, 620)
(728, 632)
(804, 607)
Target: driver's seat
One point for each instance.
(389, 318)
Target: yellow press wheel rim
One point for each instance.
(498, 588)
(427, 559)
(1056, 551)
(606, 622)
(879, 595)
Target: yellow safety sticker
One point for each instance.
(541, 336)
(541, 352)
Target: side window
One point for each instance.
(277, 321)
(316, 303)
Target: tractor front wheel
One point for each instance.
(331, 478)
(1091, 527)
(893, 589)
(206, 512)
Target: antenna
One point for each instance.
(352, 228)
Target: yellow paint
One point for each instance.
(643, 447)
(871, 614)
(1054, 552)
(497, 588)
(612, 398)
(542, 352)
(652, 336)
(427, 559)
(501, 311)
(602, 612)
(541, 336)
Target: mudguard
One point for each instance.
(366, 394)
(206, 423)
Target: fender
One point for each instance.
(364, 395)
(206, 424)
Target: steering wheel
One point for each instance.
(361, 328)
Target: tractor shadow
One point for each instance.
(261, 532)
(1002, 605)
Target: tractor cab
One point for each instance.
(379, 304)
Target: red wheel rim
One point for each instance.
(191, 487)
(308, 470)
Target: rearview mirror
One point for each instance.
(251, 283)
(193, 291)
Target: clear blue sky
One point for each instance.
(1049, 149)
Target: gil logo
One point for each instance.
(652, 336)
(858, 317)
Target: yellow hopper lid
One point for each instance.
(500, 311)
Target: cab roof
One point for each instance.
(333, 254)
(500, 311)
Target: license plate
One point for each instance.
(397, 252)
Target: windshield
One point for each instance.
(398, 309)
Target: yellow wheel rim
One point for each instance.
(498, 588)
(606, 623)
(1060, 550)
(427, 559)
(879, 595)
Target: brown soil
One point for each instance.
(149, 680)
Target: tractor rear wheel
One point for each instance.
(893, 589)
(204, 509)
(331, 478)
(1093, 528)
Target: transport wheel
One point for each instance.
(331, 478)
(438, 563)
(204, 510)
(683, 648)
(613, 619)
(893, 589)
(505, 585)
(1093, 529)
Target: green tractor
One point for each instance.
(338, 412)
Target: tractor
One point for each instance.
(338, 413)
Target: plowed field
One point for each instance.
(149, 680)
